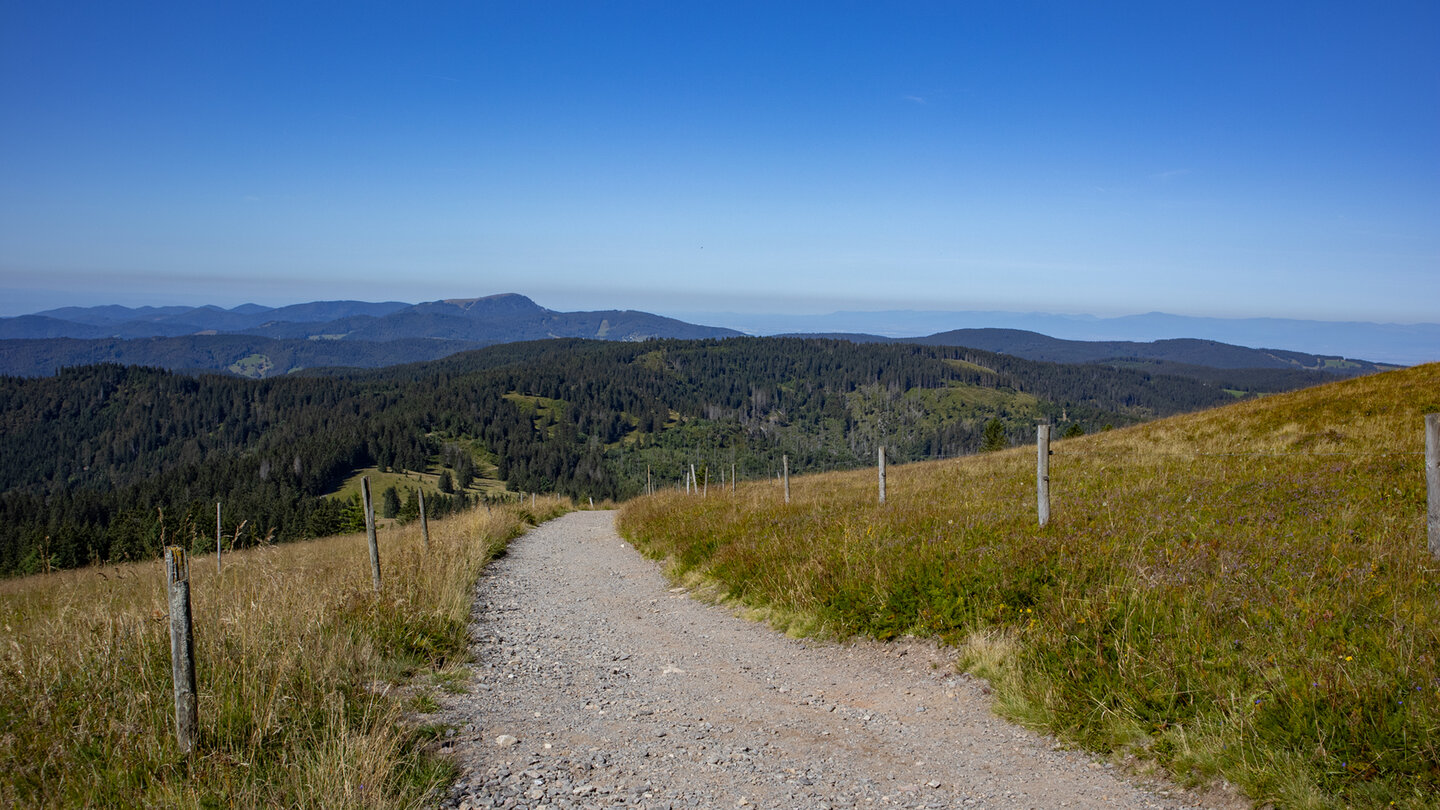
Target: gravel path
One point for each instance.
(597, 685)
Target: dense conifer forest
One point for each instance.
(105, 462)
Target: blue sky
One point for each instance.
(1219, 159)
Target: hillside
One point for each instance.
(308, 678)
(1188, 351)
(1237, 368)
(97, 461)
(1240, 593)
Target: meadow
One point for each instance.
(1240, 594)
(305, 674)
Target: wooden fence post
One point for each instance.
(217, 537)
(705, 493)
(182, 647)
(1042, 472)
(424, 523)
(370, 532)
(1432, 482)
(732, 476)
(649, 485)
(785, 466)
(880, 454)
(694, 486)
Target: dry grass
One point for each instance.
(1241, 593)
(296, 655)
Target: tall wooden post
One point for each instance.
(217, 537)
(1042, 472)
(649, 485)
(1432, 481)
(694, 486)
(732, 476)
(370, 532)
(880, 454)
(424, 522)
(785, 466)
(705, 493)
(182, 647)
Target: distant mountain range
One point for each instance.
(1401, 344)
(492, 319)
(257, 341)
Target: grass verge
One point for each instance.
(296, 659)
(1242, 593)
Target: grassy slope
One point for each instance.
(295, 658)
(1241, 593)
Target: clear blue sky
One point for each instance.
(1224, 159)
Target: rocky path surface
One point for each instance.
(598, 685)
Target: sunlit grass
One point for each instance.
(297, 660)
(1242, 593)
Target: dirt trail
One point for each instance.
(604, 687)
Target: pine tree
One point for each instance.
(994, 438)
(390, 502)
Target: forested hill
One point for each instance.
(91, 458)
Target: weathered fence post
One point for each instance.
(217, 537)
(182, 647)
(694, 482)
(592, 501)
(1042, 472)
(880, 454)
(732, 476)
(785, 466)
(424, 523)
(705, 493)
(370, 532)
(1432, 481)
(649, 485)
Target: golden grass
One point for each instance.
(1243, 592)
(296, 657)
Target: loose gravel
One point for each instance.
(597, 684)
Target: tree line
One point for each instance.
(106, 462)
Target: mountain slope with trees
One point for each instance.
(100, 462)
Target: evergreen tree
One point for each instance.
(994, 438)
(390, 502)
(447, 483)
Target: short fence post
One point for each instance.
(182, 647)
(217, 537)
(1042, 472)
(370, 532)
(1432, 482)
(880, 454)
(424, 523)
(785, 466)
